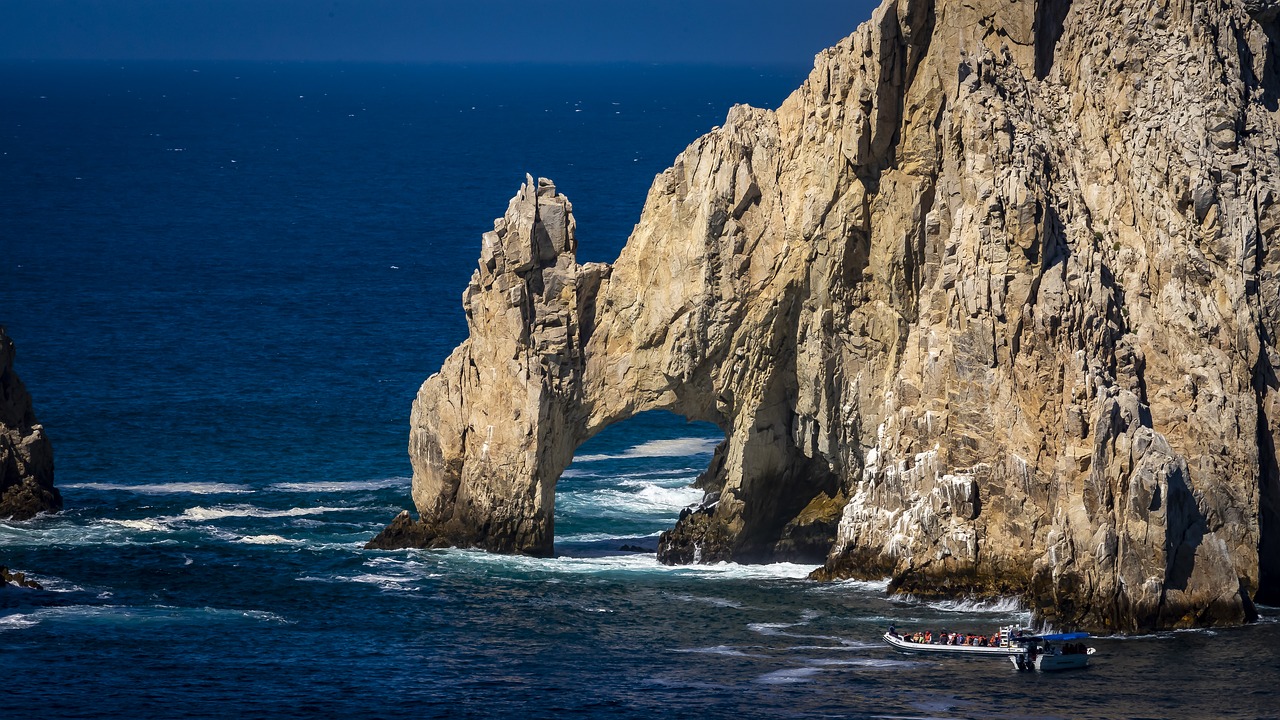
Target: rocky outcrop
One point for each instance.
(26, 457)
(493, 430)
(17, 579)
(994, 294)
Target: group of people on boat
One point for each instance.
(1073, 649)
(928, 637)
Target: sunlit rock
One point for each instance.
(26, 456)
(995, 291)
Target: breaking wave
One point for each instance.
(341, 486)
(677, 447)
(636, 562)
(605, 537)
(228, 511)
(994, 606)
(145, 525)
(17, 621)
(648, 499)
(267, 540)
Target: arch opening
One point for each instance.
(630, 482)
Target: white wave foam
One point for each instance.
(771, 628)
(145, 614)
(17, 622)
(391, 561)
(267, 540)
(677, 447)
(878, 586)
(1159, 634)
(717, 650)
(681, 476)
(789, 676)
(195, 488)
(65, 531)
(264, 616)
(385, 582)
(604, 537)
(53, 584)
(341, 486)
(734, 571)
(649, 499)
(996, 606)
(146, 525)
(636, 562)
(226, 511)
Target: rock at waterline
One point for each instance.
(17, 579)
(977, 296)
(26, 455)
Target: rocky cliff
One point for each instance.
(26, 457)
(988, 305)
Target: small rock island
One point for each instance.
(988, 306)
(26, 456)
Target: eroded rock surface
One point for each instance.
(26, 456)
(995, 293)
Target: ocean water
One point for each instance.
(227, 281)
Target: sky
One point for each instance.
(752, 32)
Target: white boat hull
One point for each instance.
(939, 649)
(1053, 662)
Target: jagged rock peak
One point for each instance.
(988, 306)
(26, 456)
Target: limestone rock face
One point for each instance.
(493, 430)
(994, 294)
(26, 457)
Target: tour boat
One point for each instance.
(1007, 644)
(1026, 651)
(1053, 652)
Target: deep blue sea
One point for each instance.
(226, 283)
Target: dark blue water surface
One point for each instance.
(226, 283)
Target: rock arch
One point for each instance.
(558, 351)
(976, 282)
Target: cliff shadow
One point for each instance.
(1268, 591)
(1051, 16)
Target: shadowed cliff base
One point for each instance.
(977, 294)
(26, 456)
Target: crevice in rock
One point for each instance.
(1268, 491)
(1050, 19)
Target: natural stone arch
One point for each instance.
(1020, 313)
(541, 373)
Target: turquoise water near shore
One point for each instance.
(226, 282)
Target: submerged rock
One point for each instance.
(988, 305)
(17, 579)
(26, 456)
